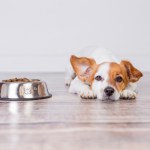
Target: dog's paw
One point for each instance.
(68, 82)
(68, 79)
(128, 94)
(87, 94)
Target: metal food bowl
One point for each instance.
(33, 90)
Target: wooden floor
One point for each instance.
(65, 122)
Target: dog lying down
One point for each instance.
(97, 73)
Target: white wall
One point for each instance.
(36, 35)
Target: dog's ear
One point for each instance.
(84, 67)
(133, 74)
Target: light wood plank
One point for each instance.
(67, 122)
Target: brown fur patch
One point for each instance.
(133, 74)
(116, 70)
(127, 71)
(85, 68)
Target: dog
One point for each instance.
(95, 72)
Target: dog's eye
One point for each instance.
(119, 79)
(98, 78)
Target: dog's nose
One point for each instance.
(109, 91)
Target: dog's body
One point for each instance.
(97, 73)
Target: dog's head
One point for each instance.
(108, 79)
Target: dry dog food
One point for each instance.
(19, 80)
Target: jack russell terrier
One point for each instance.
(97, 73)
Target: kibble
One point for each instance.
(19, 80)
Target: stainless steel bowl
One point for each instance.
(24, 90)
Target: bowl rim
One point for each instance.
(33, 81)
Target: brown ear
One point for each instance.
(84, 67)
(132, 73)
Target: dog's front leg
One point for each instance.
(130, 92)
(82, 89)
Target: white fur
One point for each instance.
(100, 55)
(99, 86)
(83, 90)
(130, 92)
